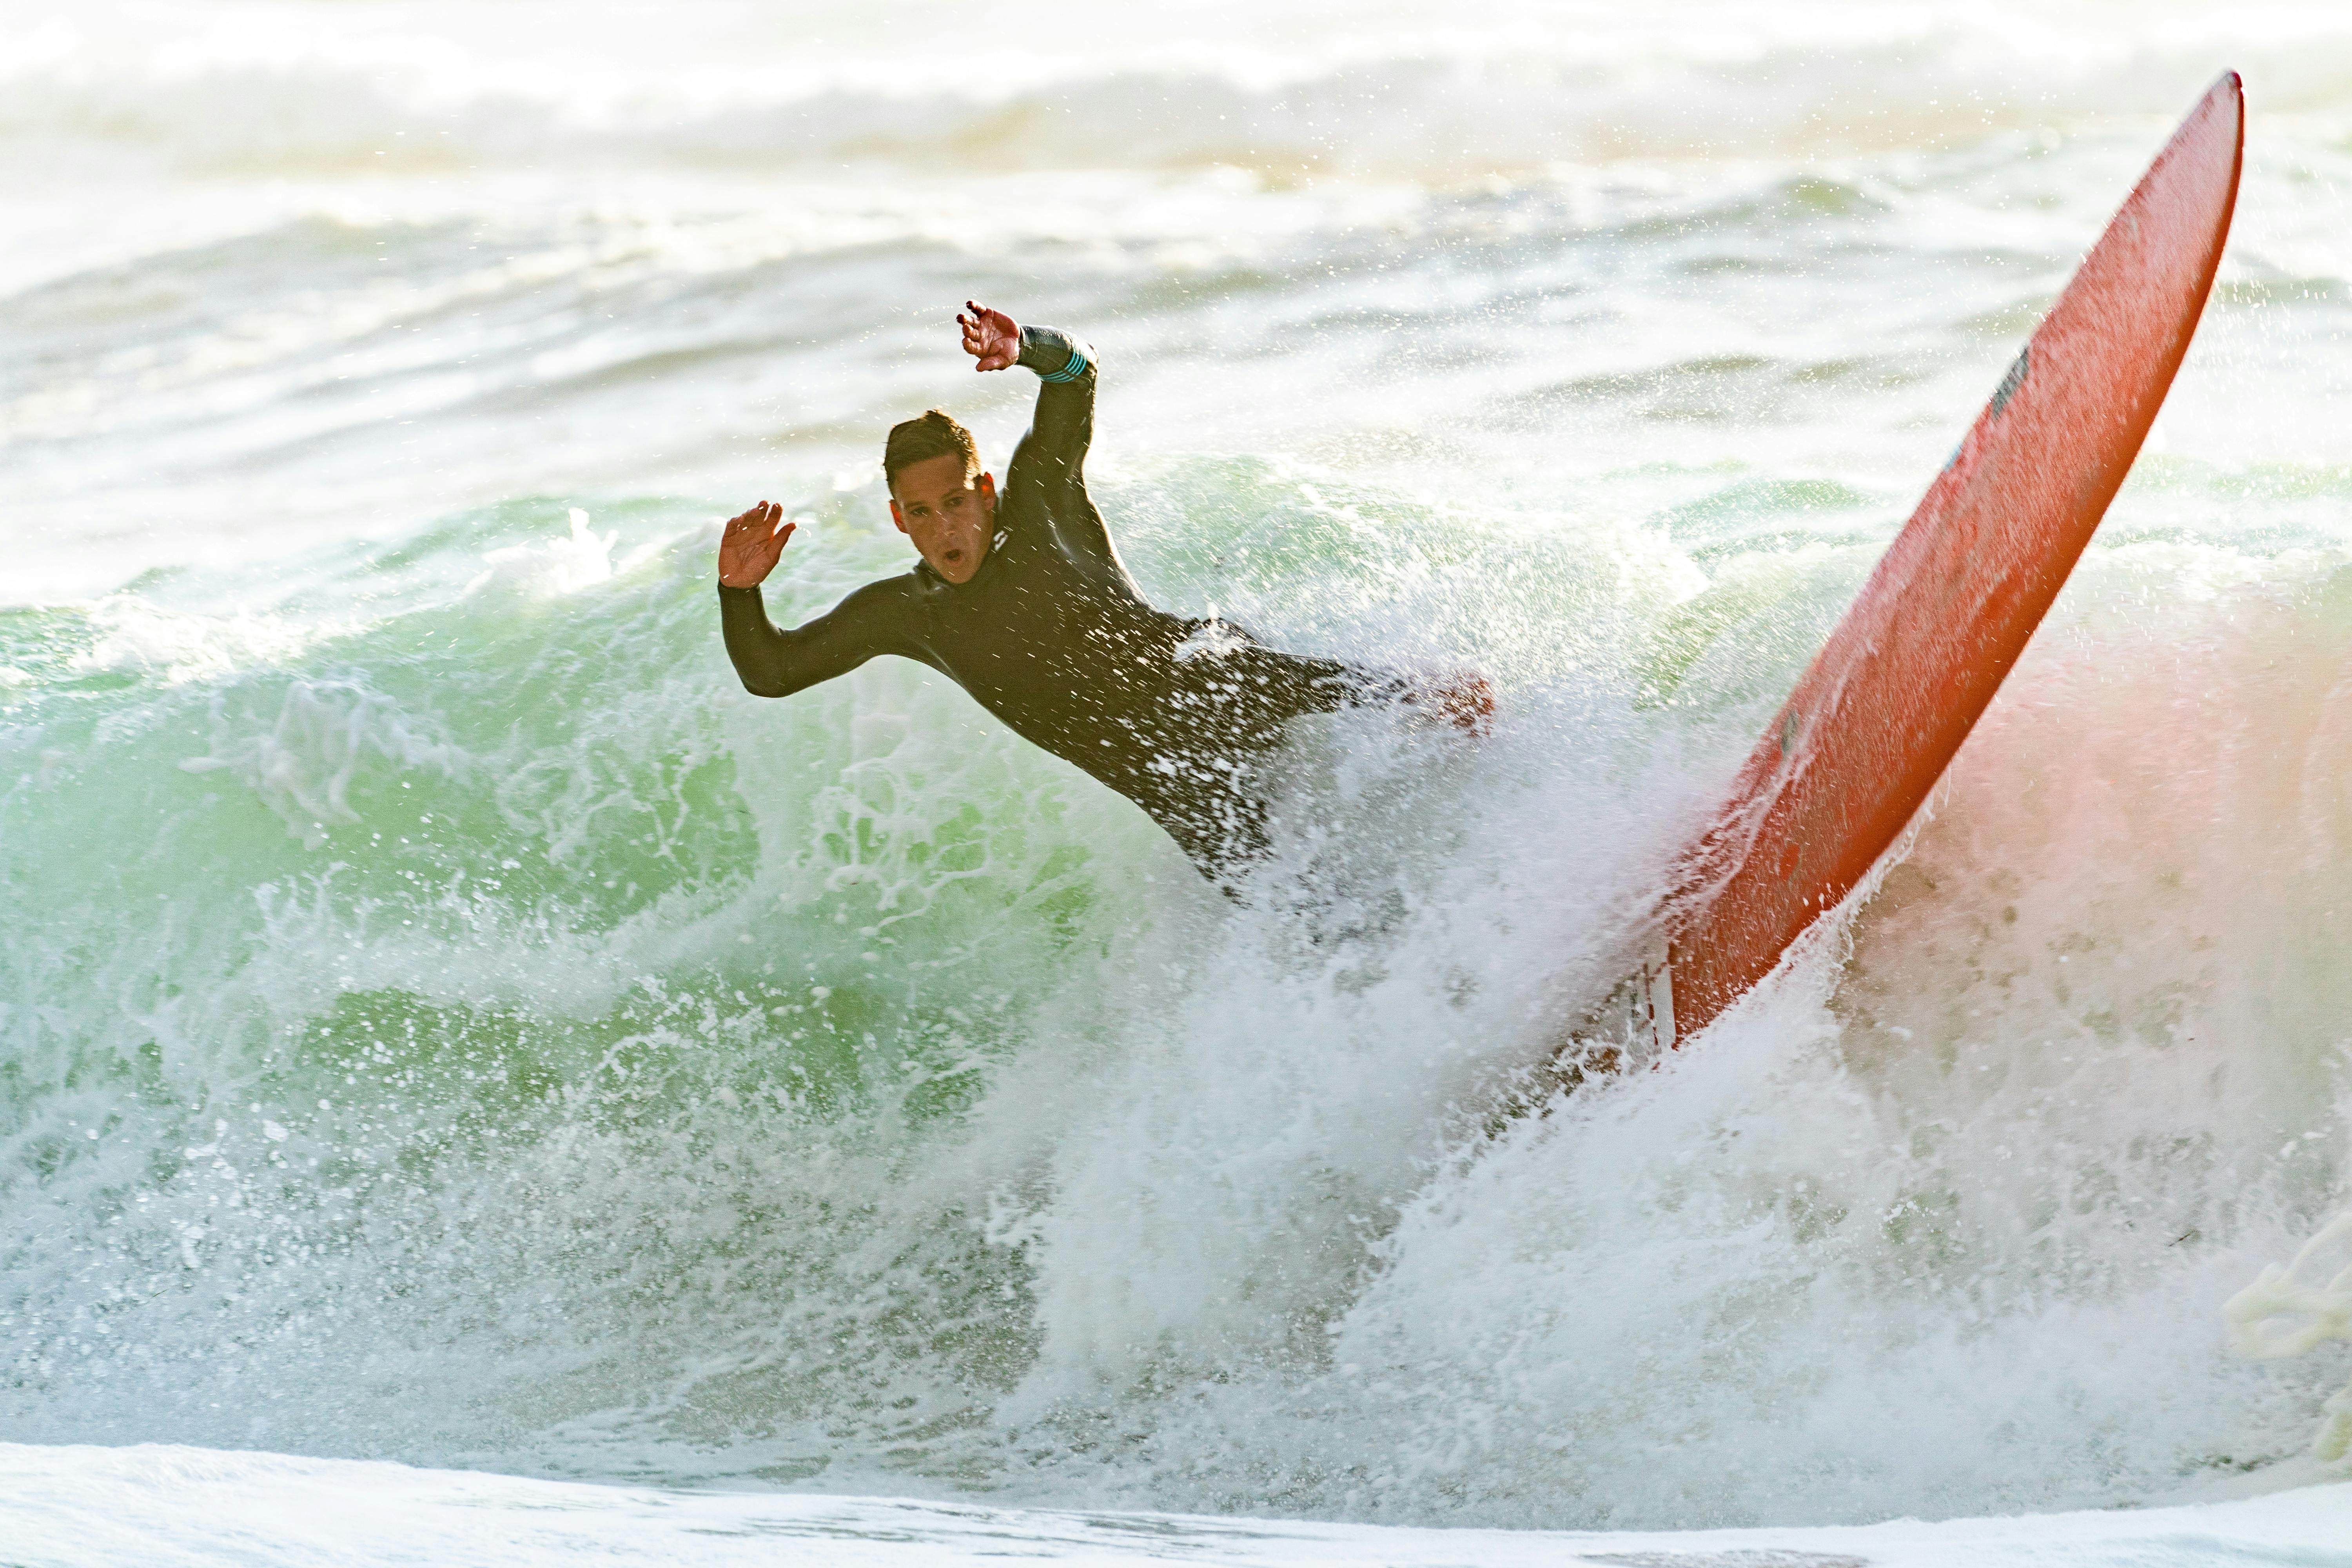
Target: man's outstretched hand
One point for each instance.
(1463, 698)
(749, 549)
(988, 336)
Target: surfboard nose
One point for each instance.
(1878, 714)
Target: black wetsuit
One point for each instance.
(1052, 635)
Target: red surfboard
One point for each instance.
(1895, 690)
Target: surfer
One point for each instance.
(1019, 598)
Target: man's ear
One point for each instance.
(896, 516)
(988, 490)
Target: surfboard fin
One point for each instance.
(1631, 1027)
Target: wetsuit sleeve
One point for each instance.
(774, 662)
(1064, 425)
(1050, 464)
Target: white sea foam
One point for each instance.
(183, 1506)
(2290, 1311)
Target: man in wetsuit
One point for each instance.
(1020, 599)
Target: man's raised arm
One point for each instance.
(1064, 426)
(1052, 454)
(770, 660)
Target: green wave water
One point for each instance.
(460, 1025)
(391, 949)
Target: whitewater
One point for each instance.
(466, 1066)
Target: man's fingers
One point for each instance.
(760, 515)
(773, 550)
(988, 336)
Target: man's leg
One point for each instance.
(1208, 804)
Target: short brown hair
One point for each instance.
(935, 435)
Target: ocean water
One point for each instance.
(444, 1019)
(194, 1508)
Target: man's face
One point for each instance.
(950, 516)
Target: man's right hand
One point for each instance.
(991, 337)
(749, 548)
